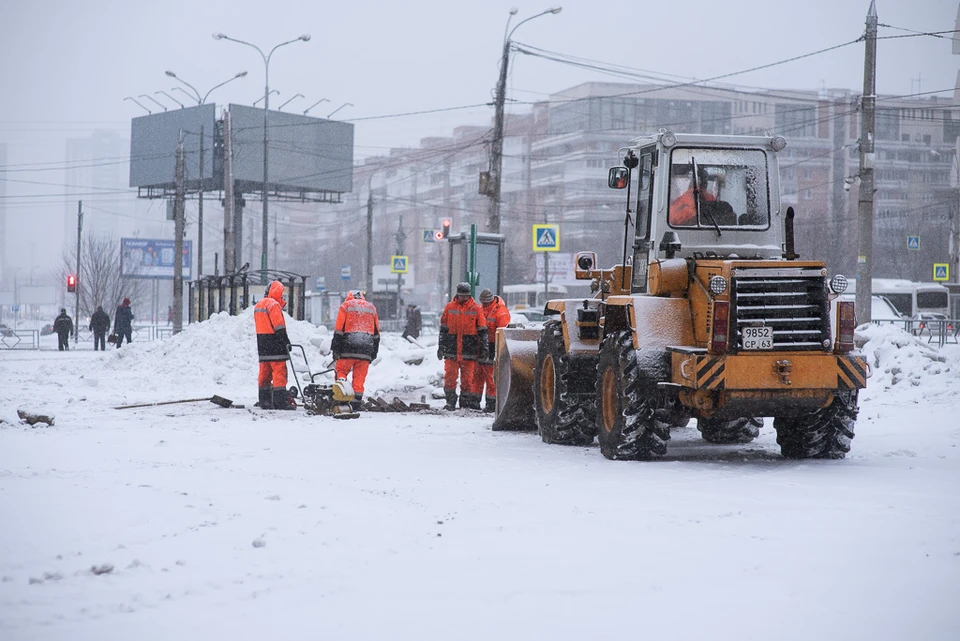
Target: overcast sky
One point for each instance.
(67, 66)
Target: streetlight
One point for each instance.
(138, 103)
(260, 99)
(496, 158)
(346, 104)
(295, 96)
(170, 97)
(143, 95)
(200, 100)
(314, 105)
(266, 109)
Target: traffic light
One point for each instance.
(71, 284)
(446, 228)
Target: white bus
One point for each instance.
(912, 299)
(520, 297)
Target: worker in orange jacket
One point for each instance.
(463, 339)
(273, 349)
(497, 315)
(356, 342)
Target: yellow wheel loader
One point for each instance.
(711, 315)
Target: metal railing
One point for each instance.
(938, 331)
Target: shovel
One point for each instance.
(216, 400)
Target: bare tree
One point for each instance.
(100, 282)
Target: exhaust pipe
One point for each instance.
(788, 253)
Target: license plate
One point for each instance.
(757, 338)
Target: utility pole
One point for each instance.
(865, 201)
(401, 236)
(370, 234)
(76, 316)
(178, 206)
(229, 262)
(200, 211)
(496, 151)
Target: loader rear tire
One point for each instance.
(825, 433)
(721, 432)
(563, 417)
(630, 425)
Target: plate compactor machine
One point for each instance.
(336, 399)
(710, 315)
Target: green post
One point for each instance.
(472, 275)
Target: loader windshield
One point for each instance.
(728, 191)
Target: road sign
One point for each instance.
(430, 235)
(941, 271)
(345, 272)
(546, 238)
(321, 283)
(398, 264)
(14, 308)
(913, 242)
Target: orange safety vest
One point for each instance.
(497, 316)
(462, 328)
(271, 328)
(357, 331)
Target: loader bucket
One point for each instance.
(516, 358)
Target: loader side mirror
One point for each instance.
(617, 177)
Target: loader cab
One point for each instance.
(701, 196)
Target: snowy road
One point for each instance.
(248, 525)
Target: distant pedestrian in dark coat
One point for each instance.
(123, 323)
(63, 325)
(414, 322)
(100, 325)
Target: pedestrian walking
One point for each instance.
(497, 315)
(356, 342)
(123, 323)
(273, 350)
(463, 339)
(414, 322)
(63, 326)
(99, 325)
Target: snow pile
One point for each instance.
(223, 351)
(900, 362)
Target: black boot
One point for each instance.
(266, 399)
(451, 395)
(357, 403)
(282, 400)
(491, 405)
(470, 401)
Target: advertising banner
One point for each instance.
(152, 258)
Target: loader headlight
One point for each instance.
(718, 285)
(838, 284)
(778, 143)
(668, 138)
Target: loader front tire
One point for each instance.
(825, 433)
(563, 416)
(629, 424)
(738, 430)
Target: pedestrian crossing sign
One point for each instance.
(941, 271)
(913, 242)
(398, 264)
(546, 238)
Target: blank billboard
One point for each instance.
(153, 145)
(304, 153)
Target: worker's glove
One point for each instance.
(439, 354)
(484, 351)
(336, 356)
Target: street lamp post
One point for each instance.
(200, 100)
(266, 107)
(295, 96)
(496, 155)
(260, 99)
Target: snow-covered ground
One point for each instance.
(191, 521)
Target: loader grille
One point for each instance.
(791, 301)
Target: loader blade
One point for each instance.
(516, 358)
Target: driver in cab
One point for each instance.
(683, 207)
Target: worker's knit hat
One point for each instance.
(486, 296)
(463, 288)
